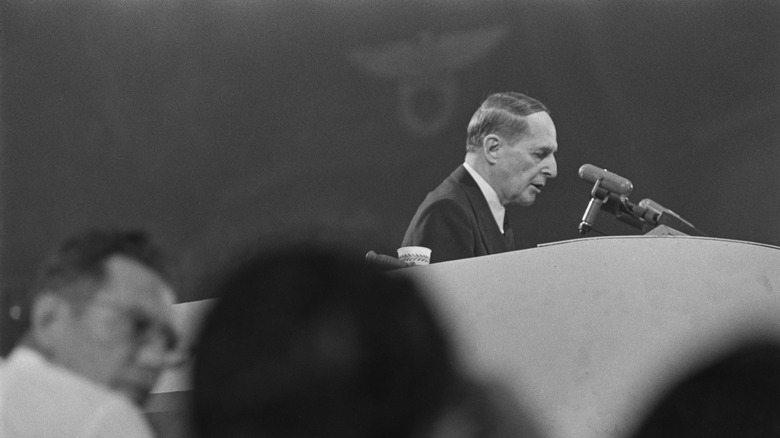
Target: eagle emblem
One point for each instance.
(426, 66)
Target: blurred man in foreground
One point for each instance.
(101, 332)
(303, 343)
(733, 394)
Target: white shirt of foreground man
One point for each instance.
(45, 400)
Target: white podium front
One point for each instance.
(588, 331)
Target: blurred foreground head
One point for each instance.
(303, 342)
(102, 307)
(736, 395)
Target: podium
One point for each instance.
(587, 332)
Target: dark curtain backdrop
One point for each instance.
(211, 123)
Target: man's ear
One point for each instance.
(47, 318)
(491, 147)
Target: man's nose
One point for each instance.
(550, 168)
(152, 353)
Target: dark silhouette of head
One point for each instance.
(303, 342)
(737, 395)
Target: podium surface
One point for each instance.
(587, 332)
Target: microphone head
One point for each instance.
(652, 206)
(609, 181)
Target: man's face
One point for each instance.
(525, 163)
(123, 336)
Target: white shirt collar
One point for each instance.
(490, 195)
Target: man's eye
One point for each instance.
(171, 341)
(141, 326)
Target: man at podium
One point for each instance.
(510, 155)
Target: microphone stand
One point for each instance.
(645, 216)
(628, 212)
(671, 220)
(623, 209)
(640, 217)
(592, 211)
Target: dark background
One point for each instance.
(212, 123)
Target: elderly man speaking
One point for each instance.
(510, 155)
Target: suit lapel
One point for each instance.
(490, 234)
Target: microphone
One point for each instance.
(609, 181)
(661, 215)
(385, 261)
(654, 210)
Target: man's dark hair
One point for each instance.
(501, 113)
(80, 259)
(302, 342)
(738, 394)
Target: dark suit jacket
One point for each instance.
(455, 221)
